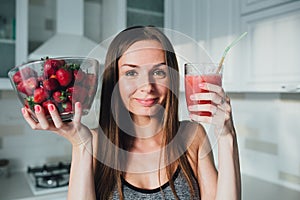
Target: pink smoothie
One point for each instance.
(192, 86)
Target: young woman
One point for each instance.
(141, 150)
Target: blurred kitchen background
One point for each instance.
(261, 75)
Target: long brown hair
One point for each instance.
(108, 178)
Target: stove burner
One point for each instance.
(50, 176)
(52, 181)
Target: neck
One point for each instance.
(147, 127)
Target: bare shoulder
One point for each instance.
(195, 132)
(197, 137)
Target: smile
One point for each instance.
(147, 102)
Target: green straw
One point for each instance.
(227, 49)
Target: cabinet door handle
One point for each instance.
(291, 88)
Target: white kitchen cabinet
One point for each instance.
(264, 61)
(219, 26)
(271, 58)
(149, 12)
(182, 16)
(248, 6)
(212, 25)
(14, 48)
(119, 14)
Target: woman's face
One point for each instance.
(143, 78)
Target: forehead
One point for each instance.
(143, 52)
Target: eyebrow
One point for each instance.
(135, 66)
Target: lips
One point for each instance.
(147, 102)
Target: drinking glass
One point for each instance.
(196, 73)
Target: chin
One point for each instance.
(148, 111)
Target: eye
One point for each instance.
(159, 73)
(131, 73)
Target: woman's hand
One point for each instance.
(74, 131)
(229, 178)
(81, 185)
(220, 108)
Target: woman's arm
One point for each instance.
(228, 159)
(81, 184)
(228, 180)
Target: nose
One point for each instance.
(146, 84)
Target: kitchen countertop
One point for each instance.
(15, 187)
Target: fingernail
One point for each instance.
(23, 111)
(51, 107)
(37, 108)
(201, 85)
(192, 97)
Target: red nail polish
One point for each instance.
(51, 107)
(37, 108)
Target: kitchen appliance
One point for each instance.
(48, 178)
(69, 39)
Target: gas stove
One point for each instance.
(48, 178)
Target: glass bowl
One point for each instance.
(61, 81)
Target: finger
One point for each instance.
(212, 88)
(227, 99)
(215, 98)
(221, 116)
(55, 116)
(203, 108)
(226, 107)
(216, 120)
(32, 123)
(40, 115)
(203, 119)
(78, 113)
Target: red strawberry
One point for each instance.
(67, 106)
(77, 93)
(64, 77)
(70, 91)
(51, 66)
(40, 80)
(91, 84)
(28, 102)
(17, 77)
(79, 75)
(90, 80)
(51, 84)
(59, 96)
(29, 85)
(40, 95)
(23, 74)
(27, 72)
(21, 88)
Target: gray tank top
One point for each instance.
(181, 186)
